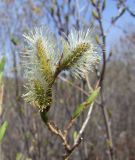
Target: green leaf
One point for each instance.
(93, 96)
(95, 15)
(74, 135)
(3, 130)
(19, 156)
(2, 64)
(97, 39)
(14, 40)
(80, 108)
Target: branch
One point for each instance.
(72, 84)
(63, 136)
(84, 125)
(103, 45)
(130, 12)
(55, 130)
(128, 9)
(114, 19)
(105, 114)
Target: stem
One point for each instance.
(84, 124)
(108, 130)
(104, 111)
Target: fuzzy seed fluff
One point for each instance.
(44, 58)
(39, 62)
(80, 52)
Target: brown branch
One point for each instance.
(104, 111)
(63, 136)
(103, 45)
(108, 129)
(55, 130)
(68, 154)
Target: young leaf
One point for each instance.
(19, 156)
(103, 5)
(3, 130)
(74, 135)
(97, 39)
(95, 15)
(14, 40)
(93, 96)
(93, 2)
(85, 104)
(78, 110)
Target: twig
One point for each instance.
(130, 12)
(128, 9)
(55, 130)
(105, 114)
(88, 82)
(103, 45)
(108, 129)
(79, 136)
(72, 84)
(84, 124)
(63, 136)
(122, 11)
(87, 117)
(68, 154)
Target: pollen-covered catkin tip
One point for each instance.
(80, 53)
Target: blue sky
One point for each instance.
(125, 23)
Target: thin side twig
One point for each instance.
(103, 107)
(72, 84)
(84, 124)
